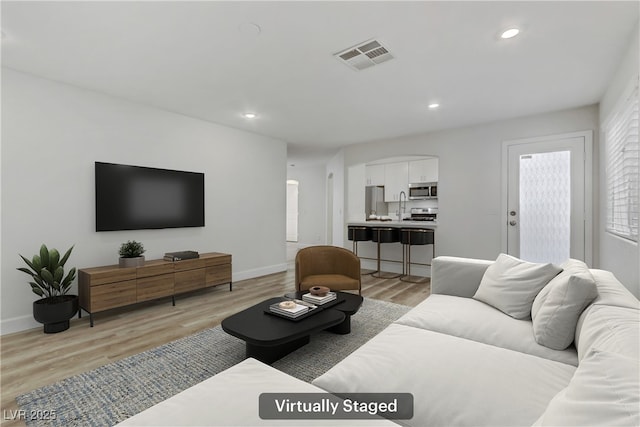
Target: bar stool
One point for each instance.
(385, 235)
(359, 234)
(415, 236)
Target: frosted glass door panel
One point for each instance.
(545, 206)
(546, 203)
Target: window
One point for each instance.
(621, 147)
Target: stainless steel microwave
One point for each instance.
(423, 190)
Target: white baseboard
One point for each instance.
(23, 323)
(258, 272)
(18, 324)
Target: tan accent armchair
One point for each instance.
(336, 268)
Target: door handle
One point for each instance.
(513, 223)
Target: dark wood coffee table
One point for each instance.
(269, 338)
(347, 303)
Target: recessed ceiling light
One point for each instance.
(433, 106)
(249, 115)
(509, 33)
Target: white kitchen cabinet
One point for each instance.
(374, 175)
(425, 170)
(396, 179)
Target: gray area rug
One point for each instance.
(115, 392)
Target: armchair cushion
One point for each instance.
(335, 282)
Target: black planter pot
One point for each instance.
(55, 312)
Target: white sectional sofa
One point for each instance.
(465, 362)
(230, 398)
(469, 364)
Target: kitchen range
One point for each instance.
(423, 214)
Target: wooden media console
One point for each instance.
(107, 287)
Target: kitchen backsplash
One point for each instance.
(393, 206)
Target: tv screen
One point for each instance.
(136, 197)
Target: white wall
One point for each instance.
(53, 133)
(311, 204)
(618, 255)
(469, 188)
(336, 166)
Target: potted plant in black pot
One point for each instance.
(55, 308)
(131, 254)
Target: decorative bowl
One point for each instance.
(319, 291)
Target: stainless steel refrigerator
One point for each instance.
(374, 203)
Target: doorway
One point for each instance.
(330, 209)
(292, 210)
(547, 198)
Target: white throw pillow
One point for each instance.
(604, 391)
(556, 317)
(569, 267)
(511, 284)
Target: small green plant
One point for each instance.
(131, 249)
(47, 271)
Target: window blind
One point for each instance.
(621, 147)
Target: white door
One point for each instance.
(292, 211)
(548, 198)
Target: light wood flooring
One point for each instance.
(32, 359)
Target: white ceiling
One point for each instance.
(201, 59)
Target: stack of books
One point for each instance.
(314, 299)
(179, 256)
(299, 310)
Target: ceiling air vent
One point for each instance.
(365, 55)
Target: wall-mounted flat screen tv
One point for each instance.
(137, 197)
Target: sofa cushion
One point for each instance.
(457, 276)
(230, 398)
(610, 328)
(612, 292)
(554, 321)
(511, 284)
(605, 391)
(454, 381)
(477, 321)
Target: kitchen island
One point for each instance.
(395, 223)
(395, 256)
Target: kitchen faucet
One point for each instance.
(401, 209)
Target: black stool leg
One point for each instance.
(356, 235)
(380, 274)
(408, 277)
